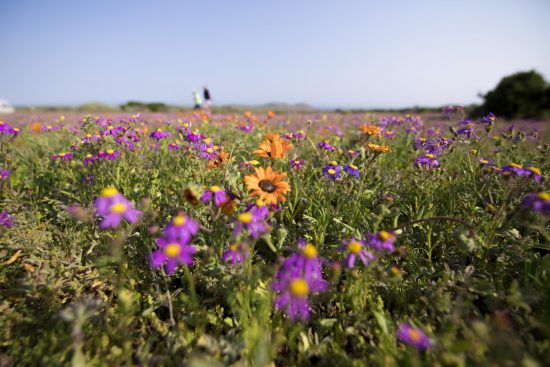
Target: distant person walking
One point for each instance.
(206, 94)
(197, 100)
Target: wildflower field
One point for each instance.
(273, 240)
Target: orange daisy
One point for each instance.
(268, 185)
(371, 130)
(273, 147)
(218, 161)
(378, 148)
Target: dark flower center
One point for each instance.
(267, 186)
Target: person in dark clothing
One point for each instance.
(206, 94)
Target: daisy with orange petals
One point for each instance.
(267, 184)
(371, 130)
(273, 147)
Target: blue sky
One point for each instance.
(325, 53)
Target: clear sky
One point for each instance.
(325, 53)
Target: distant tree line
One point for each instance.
(520, 95)
(133, 106)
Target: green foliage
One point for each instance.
(520, 95)
(133, 106)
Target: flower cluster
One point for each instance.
(298, 276)
(173, 245)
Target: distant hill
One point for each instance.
(273, 106)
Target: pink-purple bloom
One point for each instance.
(62, 156)
(4, 174)
(109, 154)
(427, 160)
(325, 145)
(466, 128)
(159, 134)
(235, 254)
(254, 221)
(296, 163)
(182, 227)
(216, 193)
(352, 170)
(89, 159)
(382, 241)
(354, 249)
(113, 207)
(332, 170)
(538, 202)
(298, 276)
(172, 252)
(413, 336)
(6, 220)
(173, 245)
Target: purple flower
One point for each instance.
(235, 254)
(413, 336)
(434, 146)
(7, 129)
(427, 160)
(538, 202)
(306, 264)
(207, 149)
(89, 159)
(127, 141)
(89, 138)
(536, 173)
(172, 252)
(51, 128)
(296, 163)
(109, 154)
(182, 228)
(245, 128)
(194, 136)
(297, 277)
(489, 119)
(355, 248)
(62, 156)
(88, 179)
(514, 169)
(353, 153)
(332, 171)
(254, 221)
(382, 241)
(484, 162)
(6, 220)
(466, 128)
(292, 297)
(114, 131)
(325, 145)
(184, 128)
(112, 206)
(449, 110)
(295, 136)
(4, 173)
(352, 170)
(159, 134)
(174, 146)
(217, 193)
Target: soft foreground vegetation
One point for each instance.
(273, 240)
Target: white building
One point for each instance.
(6, 107)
